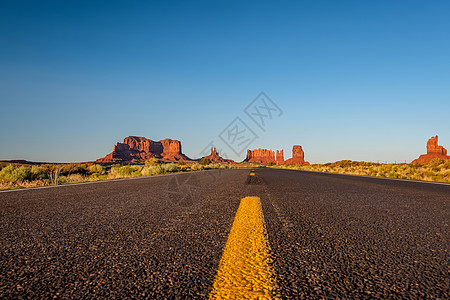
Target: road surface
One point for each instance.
(327, 236)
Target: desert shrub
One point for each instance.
(60, 180)
(446, 164)
(136, 168)
(74, 168)
(153, 162)
(13, 175)
(146, 171)
(72, 178)
(436, 162)
(97, 176)
(205, 161)
(96, 169)
(136, 174)
(183, 167)
(169, 168)
(196, 167)
(151, 170)
(121, 171)
(214, 166)
(125, 171)
(38, 172)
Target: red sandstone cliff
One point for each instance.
(298, 156)
(139, 149)
(215, 157)
(433, 151)
(280, 157)
(264, 156)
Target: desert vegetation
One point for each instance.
(437, 170)
(13, 176)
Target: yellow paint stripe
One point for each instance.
(244, 270)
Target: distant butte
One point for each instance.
(139, 149)
(298, 156)
(433, 151)
(262, 156)
(215, 157)
(265, 156)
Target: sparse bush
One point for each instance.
(73, 178)
(153, 162)
(38, 172)
(436, 162)
(169, 168)
(436, 170)
(74, 168)
(183, 167)
(96, 169)
(121, 171)
(14, 175)
(97, 176)
(205, 161)
(196, 167)
(151, 170)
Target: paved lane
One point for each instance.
(338, 236)
(117, 239)
(329, 236)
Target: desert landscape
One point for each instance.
(139, 156)
(224, 149)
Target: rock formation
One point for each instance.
(262, 156)
(139, 149)
(280, 157)
(215, 157)
(298, 156)
(433, 151)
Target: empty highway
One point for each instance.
(317, 236)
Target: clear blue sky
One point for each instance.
(360, 80)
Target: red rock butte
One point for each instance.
(139, 149)
(264, 156)
(215, 157)
(433, 151)
(298, 156)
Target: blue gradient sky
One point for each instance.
(360, 80)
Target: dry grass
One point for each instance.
(437, 170)
(13, 176)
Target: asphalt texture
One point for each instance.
(330, 236)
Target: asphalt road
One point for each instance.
(330, 236)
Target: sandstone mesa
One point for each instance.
(139, 149)
(135, 149)
(265, 156)
(433, 151)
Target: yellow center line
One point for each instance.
(244, 271)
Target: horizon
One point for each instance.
(357, 81)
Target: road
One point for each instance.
(328, 236)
